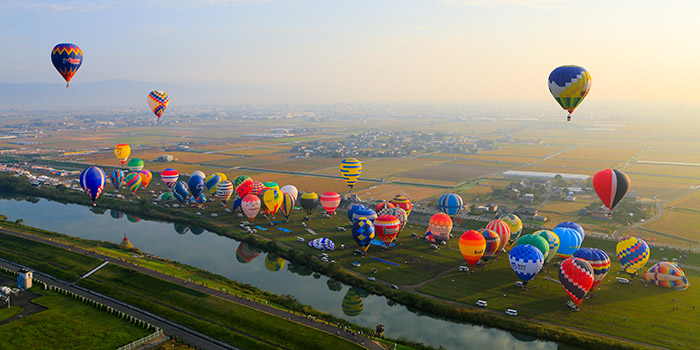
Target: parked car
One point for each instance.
(519, 284)
(482, 303)
(622, 280)
(394, 286)
(371, 278)
(511, 312)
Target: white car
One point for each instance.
(622, 280)
(482, 303)
(519, 284)
(301, 239)
(511, 312)
(372, 279)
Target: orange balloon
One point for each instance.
(472, 245)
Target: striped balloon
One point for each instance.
(169, 177)
(116, 177)
(257, 187)
(516, 226)
(135, 164)
(633, 254)
(667, 274)
(576, 276)
(493, 241)
(598, 259)
(403, 203)
(398, 213)
(211, 181)
(352, 303)
(224, 190)
(472, 245)
(386, 227)
(451, 204)
(288, 204)
(350, 169)
(553, 241)
(330, 202)
(133, 181)
(503, 231)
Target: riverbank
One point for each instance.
(334, 270)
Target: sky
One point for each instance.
(452, 51)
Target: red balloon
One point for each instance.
(384, 205)
(330, 201)
(611, 185)
(386, 227)
(576, 276)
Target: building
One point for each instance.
(24, 279)
(570, 197)
(164, 158)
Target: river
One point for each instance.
(226, 257)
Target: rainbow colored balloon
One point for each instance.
(493, 242)
(146, 177)
(503, 231)
(66, 58)
(515, 224)
(667, 274)
(599, 260)
(403, 203)
(158, 101)
(133, 181)
(472, 245)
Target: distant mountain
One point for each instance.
(122, 93)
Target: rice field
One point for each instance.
(691, 201)
(593, 165)
(250, 151)
(569, 208)
(558, 169)
(502, 158)
(662, 187)
(452, 173)
(658, 169)
(536, 151)
(677, 222)
(601, 153)
(388, 191)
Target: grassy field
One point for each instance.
(76, 325)
(179, 303)
(6, 313)
(647, 311)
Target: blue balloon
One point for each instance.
(363, 231)
(92, 180)
(569, 241)
(202, 199)
(352, 210)
(526, 261)
(451, 204)
(364, 212)
(196, 185)
(180, 191)
(575, 226)
(237, 204)
(66, 58)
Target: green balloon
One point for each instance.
(536, 241)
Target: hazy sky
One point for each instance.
(366, 51)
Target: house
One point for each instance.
(164, 158)
(528, 198)
(601, 213)
(570, 197)
(527, 212)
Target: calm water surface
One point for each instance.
(227, 257)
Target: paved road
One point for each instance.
(295, 317)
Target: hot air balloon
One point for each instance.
(352, 303)
(403, 203)
(633, 254)
(493, 241)
(526, 261)
(536, 241)
(365, 212)
(270, 184)
(569, 85)
(257, 187)
(237, 204)
(133, 218)
(116, 177)
(181, 229)
(196, 185)
(386, 227)
(198, 173)
(330, 202)
(503, 231)
(576, 276)
(224, 190)
(351, 210)
(439, 227)
(451, 204)
(667, 274)
(196, 230)
(322, 244)
(287, 206)
(135, 165)
(166, 196)
(309, 201)
(383, 205)
(122, 152)
(552, 240)
(116, 214)
(66, 58)
(574, 226)
(180, 191)
(363, 232)
(472, 245)
(251, 206)
(246, 253)
(350, 169)
(211, 181)
(169, 177)
(515, 224)
(133, 181)
(146, 177)
(599, 260)
(611, 185)
(158, 101)
(398, 213)
(243, 185)
(569, 241)
(272, 198)
(292, 190)
(273, 262)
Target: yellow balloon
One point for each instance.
(122, 151)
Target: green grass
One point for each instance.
(181, 304)
(68, 324)
(6, 313)
(60, 263)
